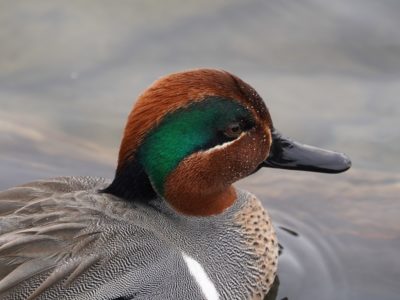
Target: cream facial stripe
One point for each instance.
(224, 145)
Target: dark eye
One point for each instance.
(233, 130)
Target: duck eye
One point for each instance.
(233, 130)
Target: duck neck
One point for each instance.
(131, 183)
(198, 203)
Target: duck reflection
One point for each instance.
(273, 292)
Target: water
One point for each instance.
(348, 233)
(328, 71)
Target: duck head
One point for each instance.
(192, 134)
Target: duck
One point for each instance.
(171, 224)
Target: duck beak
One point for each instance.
(288, 154)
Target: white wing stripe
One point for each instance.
(201, 277)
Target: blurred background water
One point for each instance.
(328, 70)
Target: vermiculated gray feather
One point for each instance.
(61, 239)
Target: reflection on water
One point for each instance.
(273, 292)
(340, 234)
(307, 267)
(290, 231)
(328, 70)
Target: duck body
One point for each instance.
(170, 225)
(61, 238)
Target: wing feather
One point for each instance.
(46, 227)
(25, 271)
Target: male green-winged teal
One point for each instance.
(170, 225)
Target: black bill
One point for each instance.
(288, 154)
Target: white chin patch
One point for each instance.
(199, 274)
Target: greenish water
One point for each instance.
(329, 72)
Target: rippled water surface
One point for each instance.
(328, 70)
